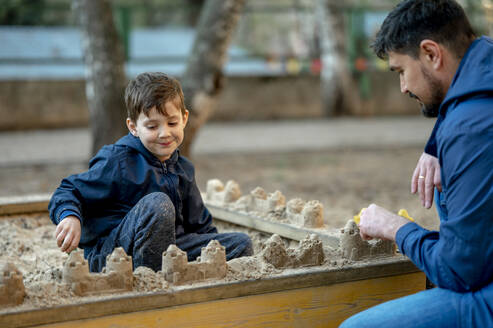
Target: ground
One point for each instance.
(344, 180)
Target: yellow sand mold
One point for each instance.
(402, 212)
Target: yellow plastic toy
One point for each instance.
(356, 218)
(402, 212)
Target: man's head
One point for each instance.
(424, 41)
(156, 113)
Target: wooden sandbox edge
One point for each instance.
(24, 204)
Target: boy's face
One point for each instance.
(160, 134)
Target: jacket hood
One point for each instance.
(134, 142)
(475, 72)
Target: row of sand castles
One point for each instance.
(258, 202)
(118, 276)
(296, 212)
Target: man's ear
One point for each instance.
(185, 117)
(431, 54)
(132, 127)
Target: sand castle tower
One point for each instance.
(217, 192)
(313, 214)
(120, 263)
(211, 264)
(215, 255)
(76, 268)
(76, 273)
(309, 214)
(174, 261)
(275, 253)
(12, 291)
(310, 251)
(265, 203)
(214, 252)
(353, 247)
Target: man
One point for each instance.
(449, 71)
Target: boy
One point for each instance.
(140, 193)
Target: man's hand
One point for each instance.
(67, 233)
(377, 222)
(426, 176)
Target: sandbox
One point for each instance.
(312, 284)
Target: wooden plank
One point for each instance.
(293, 279)
(323, 306)
(24, 204)
(328, 237)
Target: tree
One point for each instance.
(337, 87)
(204, 79)
(105, 71)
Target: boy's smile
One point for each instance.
(161, 134)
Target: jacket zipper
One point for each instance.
(170, 183)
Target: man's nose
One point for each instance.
(403, 86)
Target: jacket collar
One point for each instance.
(134, 142)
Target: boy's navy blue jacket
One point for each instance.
(460, 256)
(118, 177)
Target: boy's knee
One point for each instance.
(153, 213)
(157, 203)
(155, 199)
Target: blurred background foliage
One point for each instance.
(268, 28)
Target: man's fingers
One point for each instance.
(364, 237)
(429, 186)
(438, 179)
(414, 180)
(421, 186)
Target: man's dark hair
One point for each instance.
(412, 21)
(149, 90)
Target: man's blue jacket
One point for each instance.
(118, 177)
(460, 256)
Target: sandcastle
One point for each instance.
(353, 247)
(210, 264)
(221, 194)
(271, 205)
(117, 276)
(310, 252)
(12, 290)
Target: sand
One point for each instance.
(28, 242)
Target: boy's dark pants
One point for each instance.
(147, 231)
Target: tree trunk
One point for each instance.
(335, 77)
(203, 78)
(105, 72)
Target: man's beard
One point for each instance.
(437, 95)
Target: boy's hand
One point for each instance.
(67, 233)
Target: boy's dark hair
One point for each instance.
(412, 21)
(149, 90)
